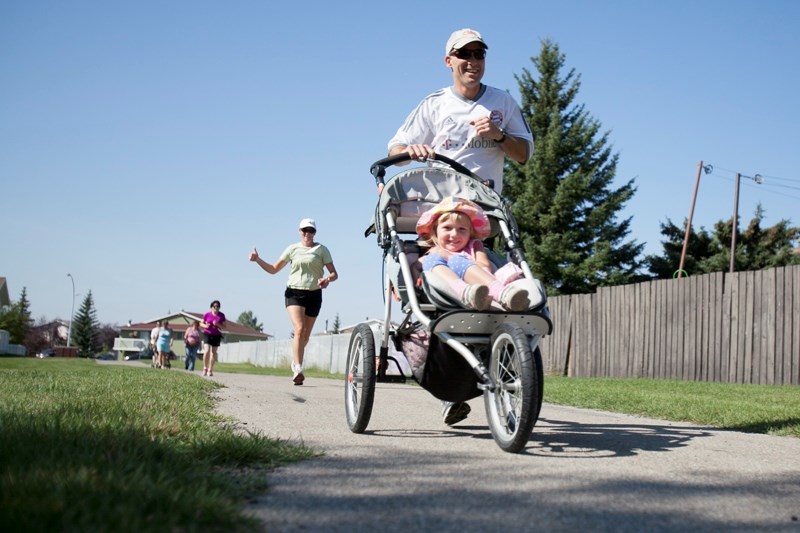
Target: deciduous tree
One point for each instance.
(247, 318)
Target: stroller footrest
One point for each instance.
(391, 378)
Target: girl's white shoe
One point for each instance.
(515, 298)
(476, 297)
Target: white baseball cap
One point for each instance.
(463, 37)
(307, 223)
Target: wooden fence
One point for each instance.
(734, 328)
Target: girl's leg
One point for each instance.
(206, 357)
(308, 327)
(302, 326)
(472, 291)
(477, 275)
(297, 316)
(513, 296)
(212, 358)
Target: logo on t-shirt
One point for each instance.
(496, 117)
(474, 143)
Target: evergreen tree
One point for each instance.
(701, 245)
(562, 197)
(247, 318)
(16, 318)
(85, 327)
(756, 248)
(337, 324)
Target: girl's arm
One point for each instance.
(482, 258)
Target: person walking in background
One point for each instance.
(164, 345)
(212, 324)
(191, 341)
(154, 343)
(469, 122)
(303, 295)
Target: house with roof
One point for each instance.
(5, 345)
(136, 337)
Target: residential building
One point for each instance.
(136, 337)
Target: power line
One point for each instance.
(763, 186)
(757, 179)
(762, 175)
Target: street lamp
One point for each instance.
(69, 331)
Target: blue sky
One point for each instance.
(146, 147)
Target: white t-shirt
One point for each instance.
(442, 120)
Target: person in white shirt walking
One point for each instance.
(472, 124)
(469, 122)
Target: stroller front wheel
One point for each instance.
(359, 385)
(512, 404)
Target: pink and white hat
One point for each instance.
(454, 204)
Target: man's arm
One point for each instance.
(515, 148)
(420, 152)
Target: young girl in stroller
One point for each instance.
(454, 229)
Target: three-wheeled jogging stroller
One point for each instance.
(454, 353)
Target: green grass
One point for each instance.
(101, 447)
(774, 410)
(97, 447)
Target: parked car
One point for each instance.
(47, 352)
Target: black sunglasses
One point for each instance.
(308, 230)
(478, 53)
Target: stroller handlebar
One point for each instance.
(378, 168)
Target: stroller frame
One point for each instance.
(499, 348)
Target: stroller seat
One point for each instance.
(438, 294)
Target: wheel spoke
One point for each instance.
(360, 380)
(509, 407)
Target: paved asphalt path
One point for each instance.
(582, 470)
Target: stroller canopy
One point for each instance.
(412, 192)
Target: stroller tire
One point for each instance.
(537, 359)
(512, 405)
(360, 378)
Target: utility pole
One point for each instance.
(69, 330)
(707, 169)
(735, 223)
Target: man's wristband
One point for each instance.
(502, 138)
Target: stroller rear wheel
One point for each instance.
(512, 406)
(359, 386)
